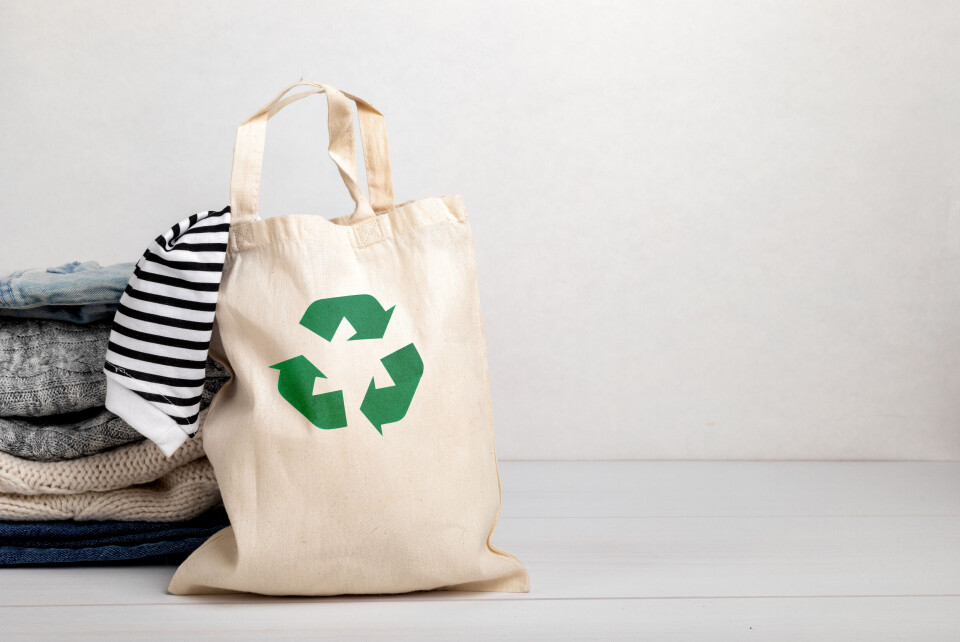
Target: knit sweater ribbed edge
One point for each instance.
(182, 494)
(137, 463)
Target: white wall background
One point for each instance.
(704, 229)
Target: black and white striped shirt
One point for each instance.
(161, 330)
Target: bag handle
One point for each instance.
(251, 136)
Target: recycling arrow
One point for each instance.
(380, 405)
(364, 313)
(390, 404)
(296, 386)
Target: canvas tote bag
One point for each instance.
(354, 444)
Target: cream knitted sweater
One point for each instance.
(137, 463)
(183, 493)
(132, 482)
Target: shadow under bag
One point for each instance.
(353, 445)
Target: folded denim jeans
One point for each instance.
(74, 534)
(68, 542)
(76, 292)
(13, 556)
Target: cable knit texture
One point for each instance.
(138, 463)
(183, 493)
(53, 389)
(51, 367)
(87, 432)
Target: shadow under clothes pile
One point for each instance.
(64, 458)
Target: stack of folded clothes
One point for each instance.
(77, 483)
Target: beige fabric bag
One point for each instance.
(385, 480)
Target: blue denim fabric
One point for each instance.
(10, 556)
(77, 292)
(71, 532)
(51, 542)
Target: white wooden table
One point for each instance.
(615, 550)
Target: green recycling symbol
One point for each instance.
(380, 405)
